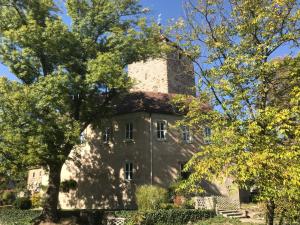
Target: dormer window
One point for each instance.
(161, 130)
(129, 131)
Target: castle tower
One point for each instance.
(173, 74)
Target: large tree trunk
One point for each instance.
(50, 212)
(270, 212)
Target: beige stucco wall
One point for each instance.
(99, 168)
(36, 179)
(150, 75)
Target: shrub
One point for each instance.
(176, 216)
(168, 206)
(36, 200)
(8, 197)
(23, 203)
(150, 197)
(166, 217)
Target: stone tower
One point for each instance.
(172, 74)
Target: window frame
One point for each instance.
(186, 135)
(161, 132)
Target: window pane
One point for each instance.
(129, 131)
(129, 171)
(161, 130)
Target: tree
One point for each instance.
(68, 75)
(255, 121)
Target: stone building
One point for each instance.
(139, 144)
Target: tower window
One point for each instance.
(186, 134)
(129, 171)
(129, 131)
(106, 134)
(161, 127)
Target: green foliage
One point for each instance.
(68, 185)
(68, 75)
(249, 99)
(168, 206)
(8, 197)
(23, 203)
(17, 217)
(150, 197)
(168, 217)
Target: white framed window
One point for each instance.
(129, 131)
(186, 134)
(82, 137)
(161, 130)
(129, 171)
(106, 134)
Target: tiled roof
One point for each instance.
(151, 102)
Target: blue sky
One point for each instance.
(166, 8)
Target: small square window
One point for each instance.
(129, 131)
(106, 134)
(161, 130)
(186, 134)
(129, 171)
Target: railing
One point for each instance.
(217, 203)
(226, 203)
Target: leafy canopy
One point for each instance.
(68, 74)
(255, 98)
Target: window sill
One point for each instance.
(161, 140)
(128, 141)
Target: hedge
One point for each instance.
(23, 203)
(166, 217)
(176, 216)
(10, 216)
